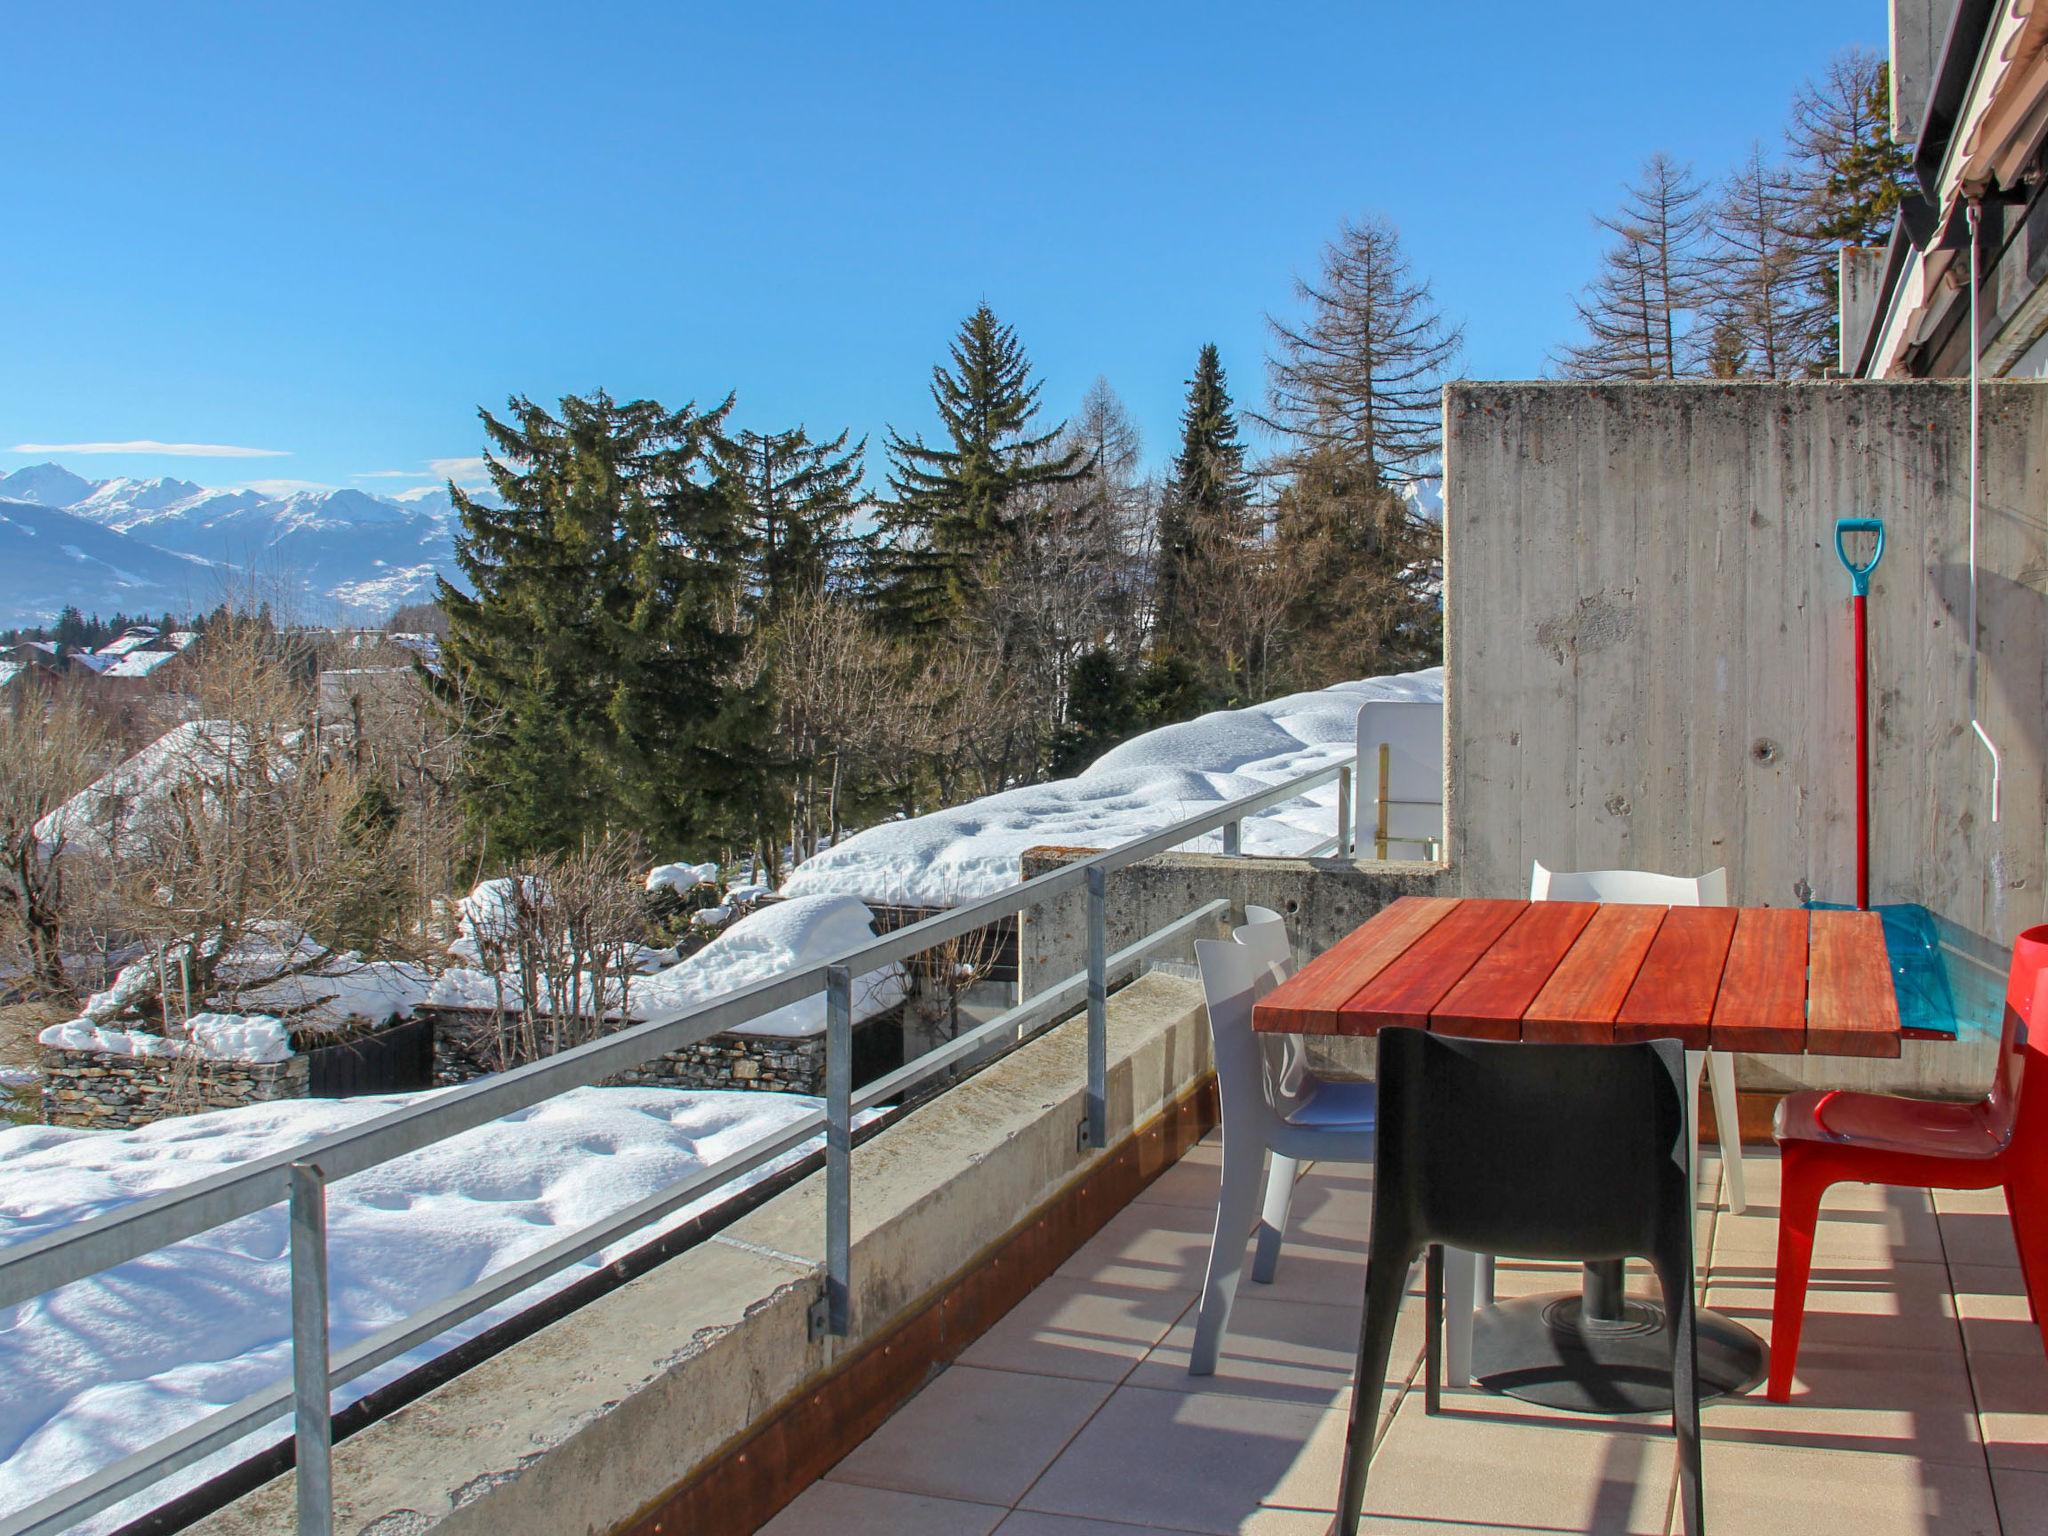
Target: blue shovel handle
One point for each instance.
(1859, 575)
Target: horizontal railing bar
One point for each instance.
(147, 1225)
(153, 1463)
(1062, 995)
(62, 1510)
(60, 1258)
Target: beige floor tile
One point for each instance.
(1905, 1402)
(1194, 1462)
(1166, 1247)
(1190, 1181)
(1262, 1522)
(1479, 1465)
(977, 1435)
(1905, 1306)
(1978, 1237)
(1091, 1331)
(1860, 1225)
(2022, 1500)
(834, 1509)
(2012, 1404)
(1295, 1351)
(1993, 1305)
(1970, 1202)
(1763, 1490)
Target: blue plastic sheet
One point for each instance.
(1932, 995)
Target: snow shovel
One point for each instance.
(1846, 529)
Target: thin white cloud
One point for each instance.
(461, 470)
(391, 474)
(151, 445)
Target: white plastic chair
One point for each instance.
(1264, 1115)
(1632, 887)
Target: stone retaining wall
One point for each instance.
(103, 1092)
(465, 1048)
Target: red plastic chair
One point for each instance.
(1869, 1138)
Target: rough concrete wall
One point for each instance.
(1649, 644)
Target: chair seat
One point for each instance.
(1887, 1123)
(1335, 1106)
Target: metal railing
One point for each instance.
(299, 1177)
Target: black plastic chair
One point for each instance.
(1582, 1156)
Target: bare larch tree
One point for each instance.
(1640, 310)
(1363, 374)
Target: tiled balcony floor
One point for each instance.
(1922, 1403)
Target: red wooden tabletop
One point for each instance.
(1769, 979)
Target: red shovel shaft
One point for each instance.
(1862, 758)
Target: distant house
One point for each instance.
(1970, 95)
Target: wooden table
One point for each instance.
(1774, 980)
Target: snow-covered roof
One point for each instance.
(103, 1367)
(89, 661)
(139, 663)
(9, 670)
(131, 639)
(180, 639)
(114, 803)
(1148, 783)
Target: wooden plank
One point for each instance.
(1488, 1004)
(1673, 996)
(1762, 1003)
(1409, 987)
(1587, 989)
(1852, 1009)
(1307, 1003)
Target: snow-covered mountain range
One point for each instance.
(150, 546)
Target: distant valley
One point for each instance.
(166, 545)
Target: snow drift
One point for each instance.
(103, 1367)
(1148, 783)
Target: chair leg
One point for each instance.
(1461, 1276)
(1483, 1280)
(1433, 1330)
(1280, 1176)
(1386, 1277)
(1235, 1206)
(1728, 1118)
(1675, 1276)
(2029, 1212)
(1802, 1184)
(1695, 1069)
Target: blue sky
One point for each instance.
(332, 232)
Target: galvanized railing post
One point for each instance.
(1233, 836)
(838, 1147)
(1344, 812)
(312, 1425)
(1098, 1008)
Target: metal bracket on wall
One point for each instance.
(819, 1317)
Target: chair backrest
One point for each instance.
(2019, 1093)
(1629, 887)
(1285, 1057)
(1413, 735)
(1234, 977)
(1265, 933)
(1537, 1151)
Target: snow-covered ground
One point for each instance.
(770, 942)
(101, 1368)
(1148, 783)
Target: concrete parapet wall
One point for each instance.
(587, 1423)
(1649, 647)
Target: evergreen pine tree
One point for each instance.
(1849, 175)
(1206, 504)
(955, 511)
(795, 500)
(596, 657)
